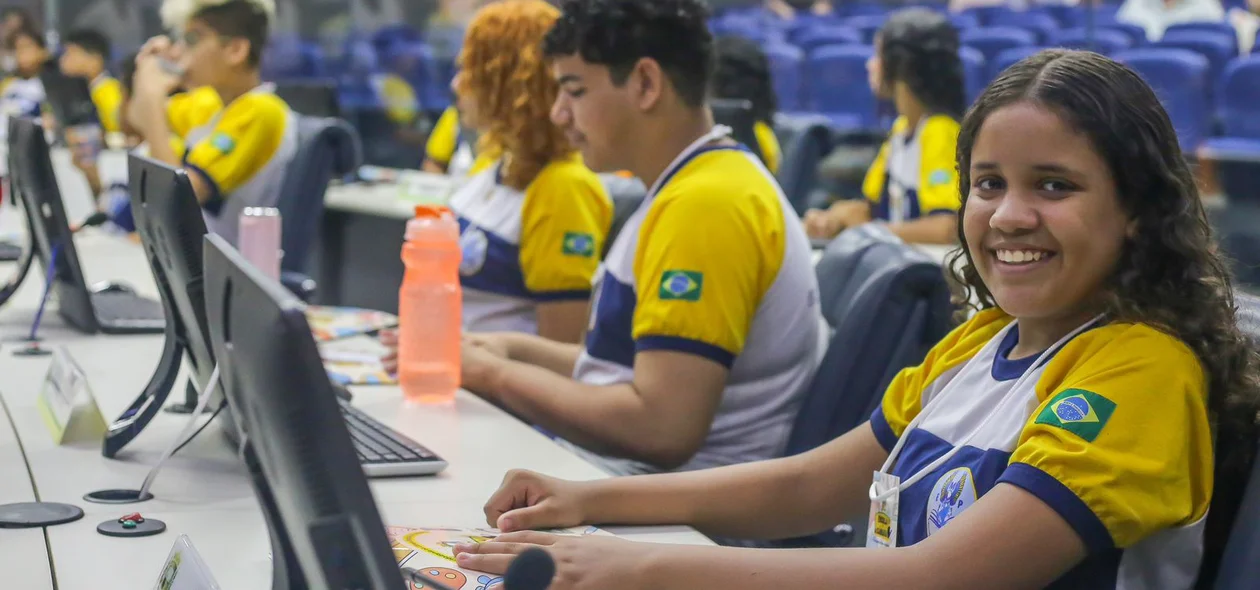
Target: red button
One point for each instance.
(134, 517)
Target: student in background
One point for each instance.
(22, 94)
(535, 221)
(706, 328)
(1063, 437)
(743, 72)
(1157, 15)
(238, 155)
(85, 55)
(913, 184)
(452, 148)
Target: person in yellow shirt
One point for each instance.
(85, 55)
(743, 72)
(452, 148)
(236, 156)
(913, 183)
(532, 223)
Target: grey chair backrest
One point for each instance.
(1240, 564)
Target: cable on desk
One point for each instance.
(202, 427)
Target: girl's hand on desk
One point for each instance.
(582, 563)
(528, 500)
(480, 360)
(389, 339)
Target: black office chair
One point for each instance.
(887, 304)
(1240, 564)
(311, 98)
(327, 149)
(806, 141)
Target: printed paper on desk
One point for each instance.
(334, 323)
(185, 570)
(67, 404)
(431, 552)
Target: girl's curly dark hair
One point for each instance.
(920, 47)
(743, 71)
(507, 76)
(1169, 275)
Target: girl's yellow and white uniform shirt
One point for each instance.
(915, 174)
(107, 96)
(522, 248)
(243, 150)
(1111, 431)
(709, 265)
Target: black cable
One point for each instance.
(200, 428)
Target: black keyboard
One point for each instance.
(123, 306)
(384, 452)
(10, 252)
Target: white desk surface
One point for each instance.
(203, 491)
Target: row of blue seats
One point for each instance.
(1198, 87)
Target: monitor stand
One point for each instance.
(129, 425)
(286, 571)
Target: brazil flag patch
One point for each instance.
(1083, 413)
(579, 244)
(223, 142)
(681, 285)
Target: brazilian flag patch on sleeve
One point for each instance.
(579, 244)
(681, 285)
(1083, 413)
(223, 142)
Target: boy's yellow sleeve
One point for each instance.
(442, 140)
(243, 141)
(107, 96)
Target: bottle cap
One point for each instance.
(433, 211)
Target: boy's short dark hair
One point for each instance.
(239, 19)
(91, 41)
(30, 32)
(618, 33)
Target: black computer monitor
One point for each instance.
(32, 179)
(313, 98)
(70, 98)
(324, 525)
(171, 229)
(738, 115)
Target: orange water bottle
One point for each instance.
(430, 307)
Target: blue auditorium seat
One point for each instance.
(824, 35)
(786, 63)
(1040, 24)
(1104, 41)
(992, 41)
(838, 86)
(1180, 79)
(1008, 58)
(975, 75)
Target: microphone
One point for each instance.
(94, 220)
(531, 570)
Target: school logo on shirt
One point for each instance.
(579, 244)
(1083, 413)
(223, 142)
(681, 285)
(954, 492)
(473, 246)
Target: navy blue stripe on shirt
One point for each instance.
(1064, 501)
(552, 296)
(610, 339)
(214, 203)
(716, 354)
(883, 432)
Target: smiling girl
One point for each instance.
(1063, 437)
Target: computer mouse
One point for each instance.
(114, 288)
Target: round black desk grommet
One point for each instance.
(117, 497)
(26, 515)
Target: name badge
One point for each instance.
(881, 528)
(66, 402)
(185, 570)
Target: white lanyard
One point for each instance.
(1012, 394)
(718, 132)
